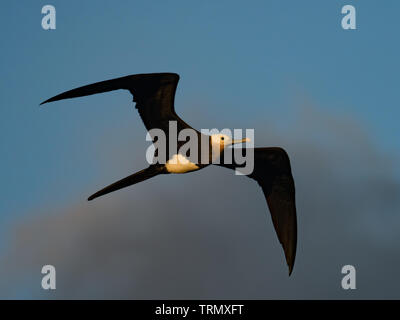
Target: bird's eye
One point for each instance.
(222, 138)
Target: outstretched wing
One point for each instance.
(154, 94)
(137, 177)
(273, 173)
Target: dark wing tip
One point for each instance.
(93, 196)
(47, 101)
(96, 195)
(290, 256)
(290, 269)
(61, 96)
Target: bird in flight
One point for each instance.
(154, 94)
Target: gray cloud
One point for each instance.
(208, 234)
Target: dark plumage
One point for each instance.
(154, 95)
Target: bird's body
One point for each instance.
(154, 96)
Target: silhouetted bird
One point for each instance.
(154, 96)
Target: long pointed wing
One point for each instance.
(154, 94)
(137, 177)
(273, 173)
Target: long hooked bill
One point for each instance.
(241, 140)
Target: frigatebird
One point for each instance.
(154, 94)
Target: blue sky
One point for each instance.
(238, 61)
(238, 58)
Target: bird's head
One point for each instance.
(222, 141)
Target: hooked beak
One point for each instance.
(241, 140)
